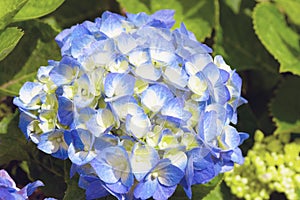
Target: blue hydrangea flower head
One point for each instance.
(137, 106)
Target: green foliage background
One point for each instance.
(260, 39)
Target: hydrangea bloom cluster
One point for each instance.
(9, 190)
(137, 107)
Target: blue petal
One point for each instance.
(125, 43)
(155, 96)
(111, 24)
(118, 85)
(24, 121)
(31, 187)
(197, 62)
(148, 72)
(138, 19)
(145, 190)
(170, 175)
(165, 16)
(138, 125)
(96, 190)
(66, 72)
(164, 192)
(230, 137)
(65, 113)
(176, 76)
(175, 109)
(53, 143)
(117, 187)
(143, 159)
(104, 171)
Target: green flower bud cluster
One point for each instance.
(273, 164)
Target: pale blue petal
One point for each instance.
(177, 158)
(138, 125)
(176, 76)
(143, 159)
(118, 85)
(165, 16)
(170, 175)
(104, 171)
(30, 91)
(124, 106)
(197, 62)
(175, 109)
(148, 72)
(65, 72)
(125, 43)
(155, 96)
(111, 25)
(138, 19)
(230, 137)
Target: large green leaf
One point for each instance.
(13, 145)
(198, 15)
(37, 8)
(236, 41)
(291, 9)
(34, 51)
(279, 39)
(9, 38)
(8, 9)
(285, 107)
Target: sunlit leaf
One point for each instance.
(37, 8)
(279, 39)
(8, 9)
(291, 9)
(237, 43)
(9, 38)
(285, 107)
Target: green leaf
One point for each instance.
(285, 107)
(221, 192)
(49, 170)
(4, 123)
(279, 39)
(197, 15)
(236, 41)
(13, 145)
(291, 9)
(37, 8)
(234, 5)
(35, 49)
(9, 38)
(198, 191)
(134, 6)
(85, 10)
(73, 190)
(8, 9)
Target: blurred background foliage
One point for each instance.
(260, 39)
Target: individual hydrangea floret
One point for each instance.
(139, 108)
(9, 190)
